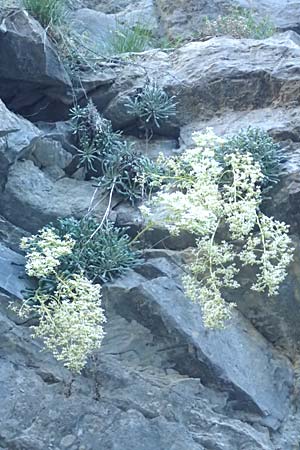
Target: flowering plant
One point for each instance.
(220, 204)
(70, 317)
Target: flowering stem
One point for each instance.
(211, 245)
(105, 214)
(146, 228)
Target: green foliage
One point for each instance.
(95, 137)
(67, 259)
(129, 173)
(47, 12)
(70, 320)
(261, 147)
(136, 39)
(81, 52)
(106, 156)
(99, 253)
(239, 23)
(88, 124)
(152, 106)
(130, 39)
(219, 202)
(69, 309)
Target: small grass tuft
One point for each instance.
(47, 12)
(130, 39)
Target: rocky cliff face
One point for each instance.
(161, 381)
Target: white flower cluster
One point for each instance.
(210, 200)
(212, 270)
(191, 200)
(71, 321)
(44, 251)
(71, 317)
(242, 194)
(271, 251)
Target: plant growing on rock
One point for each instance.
(106, 156)
(67, 260)
(128, 173)
(238, 23)
(47, 12)
(70, 320)
(99, 253)
(220, 205)
(261, 147)
(129, 39)
(94, 136)
(82, 53)
(152, 106)
(70, 315)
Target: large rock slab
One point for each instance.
(281, 123)
(131, 12)
(185, 19)
(130, 396)
(212, 77)
(41, 74)
(31, 198)
(231, 358)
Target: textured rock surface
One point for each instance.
(131, 396)
(96, 26)
(185, 18)
(219, 356)
(213, 77)
(10, 235)
(281, 123)
(15, 143)
(130, 12)
(47, 153)
(61, 132)
(160, 382)
(119, 403)
(41, 75)
(31, 199)
(12, 277)
(286, 196)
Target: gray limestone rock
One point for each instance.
(185, 19)
(232, 357)
(31, 199)
(16, 135)
(32, 68)
(211, 78)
